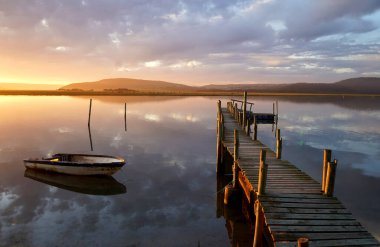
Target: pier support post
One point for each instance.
(236, 112)
(303, 242)
(257, 241)
(330, 179)
(218, 112)
(262, 173)
(278, 144)
(248, 128)
(218, 139)
(244, 109)
(236, 157)
(89, 113)
(219, 130)
(125, 117)
(326, 159)
(254, 128)
(227, 193)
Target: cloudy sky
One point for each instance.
(192, 42)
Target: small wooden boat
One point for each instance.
(77, 164)
(91, 185)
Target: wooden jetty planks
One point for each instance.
(293, 204)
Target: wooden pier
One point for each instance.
(288, 207)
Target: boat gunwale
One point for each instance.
(75, 164)
(48, 161)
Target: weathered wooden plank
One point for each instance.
(301, 205)
(271, 168)
(312, 222)
(306, 210)
(292, 190)
(290, 183)
(345, 242)
(291, 195)
(279, 228)
(339, 242)
(294, 216)
(300, 200)
(320, 236)
(286, 185)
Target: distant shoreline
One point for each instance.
(205, 93)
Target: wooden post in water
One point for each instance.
(330, 179)
(277, 108)
(218, 138)
(257, 240)
(278, 144)
(262, 173)
(326, 159)
(303, 242)
(248, 128)
(89, 125)
(254, 128)
(244, 109)
(125, 117)
(89, 135)
(89, 113)
(236, 157)
(227, 193)
(236, 111)
(221, 120)
(218, 111)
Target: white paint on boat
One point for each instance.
(77, 164)
(73, 170)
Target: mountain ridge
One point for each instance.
(366, 85)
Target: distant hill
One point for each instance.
(28, 86)
(129, 84)
(366, 85)
(353, 85)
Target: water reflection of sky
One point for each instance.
(170, 175)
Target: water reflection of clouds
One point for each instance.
(6, 199)
(152, 117)
(301, 129)
(362, 146)
(117, 141)
(341, 116)
(184, 117)
(62, 130)
(374, 114)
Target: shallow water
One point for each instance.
(169, 195)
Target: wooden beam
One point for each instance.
(262, 173)
(326, 159)
(330, 179)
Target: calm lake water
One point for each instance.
(166, 194)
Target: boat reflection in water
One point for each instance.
(92, 185)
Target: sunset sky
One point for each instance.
(192, 42)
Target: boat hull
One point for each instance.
(77, 164)
(72, 170)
